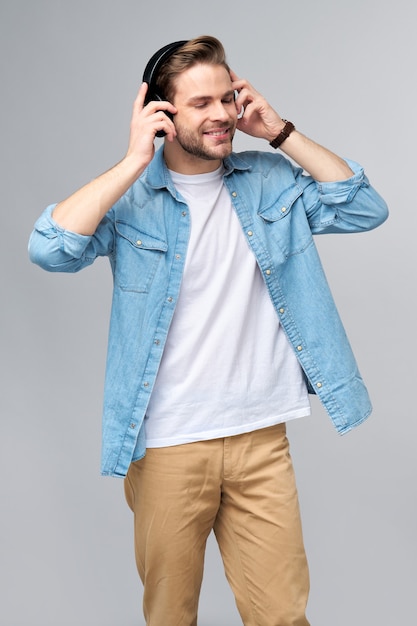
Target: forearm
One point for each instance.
(322, 164)
(83, 211)
(259, 119)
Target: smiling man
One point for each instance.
(205, 123)
(222, 323)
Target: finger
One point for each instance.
(233, 75)
(238, 83)
(244, 97)
(140, 98)
(162, 122)
(159, 106)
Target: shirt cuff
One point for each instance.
(343, 190)
(69, 242)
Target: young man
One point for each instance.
(222, 322)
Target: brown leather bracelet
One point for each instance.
(284, 134)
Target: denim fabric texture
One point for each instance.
(145, 237)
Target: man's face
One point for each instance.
(206, 117)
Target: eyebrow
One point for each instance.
(195, 99)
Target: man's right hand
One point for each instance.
(145, 123)
(83, 210)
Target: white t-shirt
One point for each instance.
(227, 366)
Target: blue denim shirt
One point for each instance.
(145, 236)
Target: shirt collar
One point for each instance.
(157, 175)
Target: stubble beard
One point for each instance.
(193, 144)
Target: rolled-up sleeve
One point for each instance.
(56, 249)
(350, 205)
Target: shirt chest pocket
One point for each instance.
(286, 221)
(137, 258)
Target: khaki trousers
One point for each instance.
(243, 488)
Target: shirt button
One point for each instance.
(177, 256)
(319, 385)
(268, 272)
(169, 299)
(282, 310)
(250, 233)
(299, 348)
(234, 194)
(283, 209)
(132, 425)
(138, 243)
(184, 213)
(146, 384)
(157, 342)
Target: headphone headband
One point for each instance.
(153, 66)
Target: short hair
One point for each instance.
(204, 49)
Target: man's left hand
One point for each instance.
(258, 119)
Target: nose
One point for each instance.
(219, 112)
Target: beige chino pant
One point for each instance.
(242, 487)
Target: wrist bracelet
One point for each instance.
(284, 134)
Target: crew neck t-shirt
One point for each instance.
(227, 367)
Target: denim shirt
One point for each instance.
(145, 236)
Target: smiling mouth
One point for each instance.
(218, 132)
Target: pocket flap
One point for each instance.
(138, 238)
(281, 206)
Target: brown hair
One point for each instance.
(204, 49)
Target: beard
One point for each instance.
(193, 144)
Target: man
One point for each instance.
(222, 322)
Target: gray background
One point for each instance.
(344, 72)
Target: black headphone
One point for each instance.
(150, 74)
